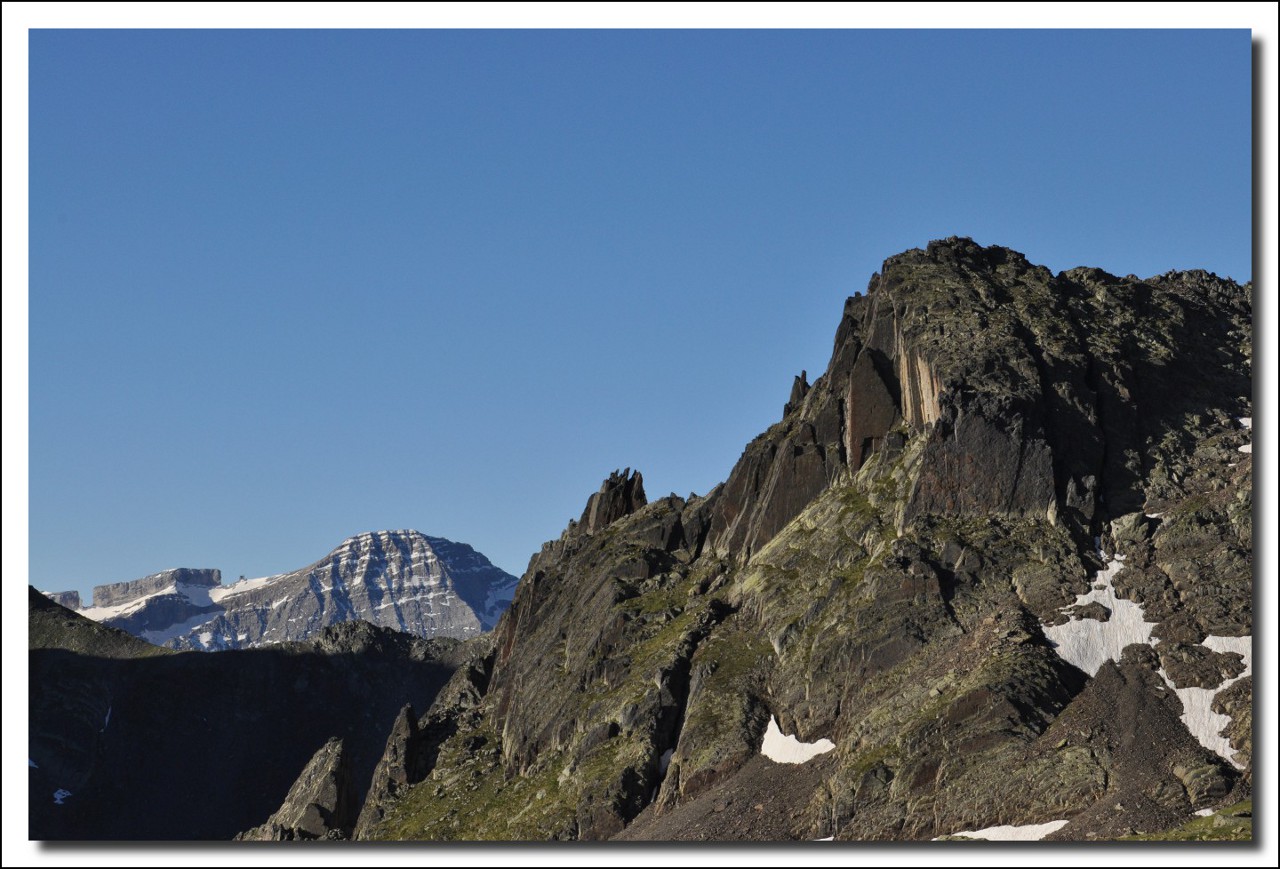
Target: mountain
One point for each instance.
(426, 586)
(990, 575)
(132, 741)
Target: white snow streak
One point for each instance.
(101, 613)
(181, 629)
(1012, 833)
(1204, 813)
(60, 794)
(31, 763)
(218, 593)
(1197, 703)
(781, 748)
(1089, 643)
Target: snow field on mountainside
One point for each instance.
(781, 748)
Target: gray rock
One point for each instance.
(124, 592)
(620, 495)
(68, 599)
(322, 804)
(426, 586)
(394, 772)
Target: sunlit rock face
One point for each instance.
(426, 586)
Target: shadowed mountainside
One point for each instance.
(154, 744)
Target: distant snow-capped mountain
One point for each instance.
(427, 586)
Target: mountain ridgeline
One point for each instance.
(129, 740)
(994, 455)
(991, 569)
(405, 580)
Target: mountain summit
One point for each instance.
(426, 586)
(989, 576)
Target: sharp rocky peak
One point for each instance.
(621, 495)
(399, 579)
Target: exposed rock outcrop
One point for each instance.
(620, 495)
(125, 592)
(322, 804)
(68, 599)
(394, 772)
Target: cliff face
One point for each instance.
(999, 554)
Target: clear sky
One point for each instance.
(286, 287)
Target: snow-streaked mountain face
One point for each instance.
(427, 586)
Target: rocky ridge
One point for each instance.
(988, 441)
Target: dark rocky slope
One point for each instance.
(153, 744)
(880, 569)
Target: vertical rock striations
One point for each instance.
(620, 495)
(427, 586)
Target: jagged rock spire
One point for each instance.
(621, 495)
(799, 389)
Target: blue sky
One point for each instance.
(286, 287)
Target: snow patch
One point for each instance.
(240, 587)
(181, 629)
(1204, 813)
(59, 795)
(106, 720)
(31, 763)
(781, 748)
(102, 613)
(1089, 643)
(1246, 422)
(1012, 833)
(198, 595)
(1197, 703)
